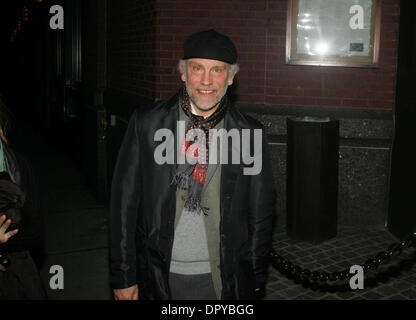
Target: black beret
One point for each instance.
(210, 45)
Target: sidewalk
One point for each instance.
(75, 224)
(75, 232)
(352, 246)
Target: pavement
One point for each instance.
(76, 238)
(75, 223)
(352, 246)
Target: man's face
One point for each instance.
(206, 82)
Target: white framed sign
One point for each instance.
(333, 32)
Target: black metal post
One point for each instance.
(312, 178)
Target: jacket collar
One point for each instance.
(233, 118)
(172, 104)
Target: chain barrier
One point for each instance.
(394, 250)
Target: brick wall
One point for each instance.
(130, 47)
(258, 29)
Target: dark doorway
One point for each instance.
(402, 218)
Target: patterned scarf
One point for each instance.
(190, 176)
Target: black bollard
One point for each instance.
(312, 178)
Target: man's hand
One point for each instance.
(131, 293)
(3, 227)
(259, 293)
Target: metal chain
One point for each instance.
(394, 250)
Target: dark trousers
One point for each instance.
(192, 287)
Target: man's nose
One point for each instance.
(206, 79)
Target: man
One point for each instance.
(194, 229)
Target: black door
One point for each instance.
(67, 84)
(401, 219)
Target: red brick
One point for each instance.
(274, 6)
(259, 14)
(169, 78)
(258, 6)
(364, 94)
(165, 21)
(334, 93)
(271, 91)
(290, 92)
(334, 84)
(252, 97)
(167, 62)
(201, 13)
(328, 102)
(381, 86)
(303, 101)
(391, 10)
(307, 83)
(278, 83)
(161, 70)
(390, 2)
(381, 104)
(355, 103)
(185, 5)
(312, 92)
(382, 95)
(278, 99)
(164, 54)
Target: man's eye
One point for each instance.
(196, 68)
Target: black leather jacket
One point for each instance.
(142, 211)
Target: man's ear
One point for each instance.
(183, 78)
(231, 78)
